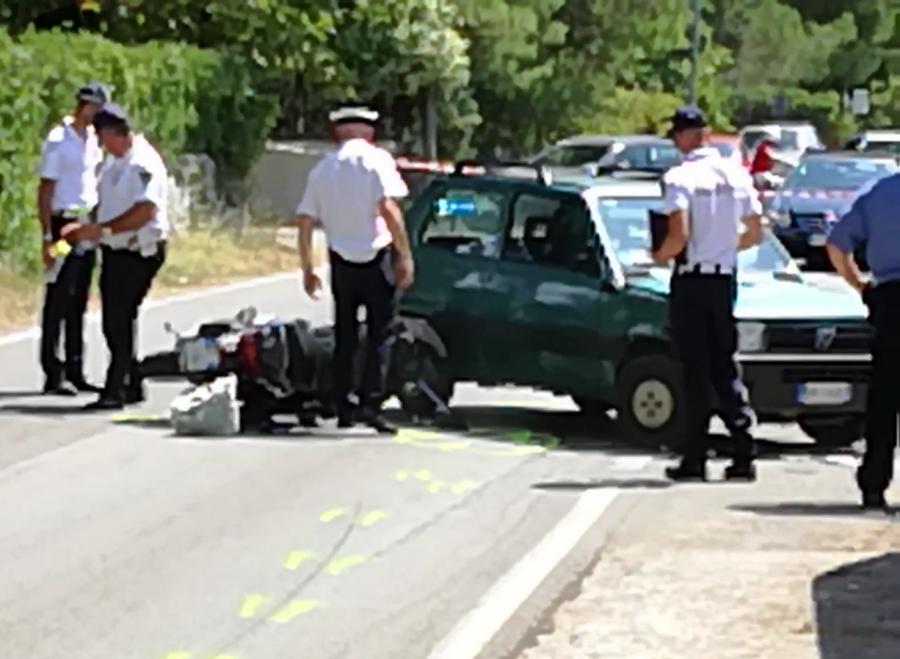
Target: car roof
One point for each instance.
(599, 140)
(605, 188)
(850, 155)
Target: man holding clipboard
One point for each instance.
(711, 212)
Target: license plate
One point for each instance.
(200, 354)
(824, 393)
(817, 239)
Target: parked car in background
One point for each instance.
(729, 145)
(547, 284)
(574, 155)
(793, 139)
(813, 195)
(875, 140)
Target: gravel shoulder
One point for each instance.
(783, 569)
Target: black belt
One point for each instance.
(160, 246)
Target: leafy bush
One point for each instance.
(182, 97)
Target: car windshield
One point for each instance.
(838, 173)
(627, 223)
(416, 180)
(651, 155)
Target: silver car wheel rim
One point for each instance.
(652, 404)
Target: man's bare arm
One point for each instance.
(305, 226)
(393, 217)
(45, 203)
(753, 233)
(845, 265)
(676, 237)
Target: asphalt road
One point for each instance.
(120, 540)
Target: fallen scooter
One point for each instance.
(284, 368)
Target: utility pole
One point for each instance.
(695, 50)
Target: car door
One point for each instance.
(456, 231)
(550, 277)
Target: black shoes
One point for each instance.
(687, 473)
(104, 404)
(874, 502)
(61, 388)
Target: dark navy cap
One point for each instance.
(93, 92)
(354, 114)
(687, 117)
(110, 116)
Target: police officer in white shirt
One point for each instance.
(714, 212)
(132, 228)
(352, 194)
(68, 192)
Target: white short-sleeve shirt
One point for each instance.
(342, 193)
(717, 193)
(71, 162)
(138, 176)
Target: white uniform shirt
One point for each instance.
(71, 162)
(138, 176)
(343, 191)
(716, 193)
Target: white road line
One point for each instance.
(33, 333)
(470, 636)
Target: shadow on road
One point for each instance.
(858, 609)
(812, 509)
(618, 483)
(59, 409)
(20, 394)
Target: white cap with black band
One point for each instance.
(359, 114)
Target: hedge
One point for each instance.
(185, 99)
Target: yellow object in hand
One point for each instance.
(62, 248)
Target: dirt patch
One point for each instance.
(195, 259)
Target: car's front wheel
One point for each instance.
(651, 409)
(833, 432)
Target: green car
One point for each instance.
(549, 285)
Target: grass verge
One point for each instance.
(195, 259)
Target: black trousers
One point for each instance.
(702, 324)
(65, 304)
(883, 404)
(369, 285)
(125, 280)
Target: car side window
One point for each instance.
(466, 221)
(552, 232)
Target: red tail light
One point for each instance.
(248, 354)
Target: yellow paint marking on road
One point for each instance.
(371, 518)
(178, 655)
(251, 605)
(338, 565)
(296, 558)
(462, 486)
(225, 656)
(126, 417)
(520, 436)
(435, 486)
(423, 475)
(294, 609)
(425, 440)
(401, 475)
(333, 514)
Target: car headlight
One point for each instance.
(751, 337)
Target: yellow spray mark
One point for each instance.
(519, 436)
(551, 442)
(251, 605)
(423, 475)
(225, 656)
(463, 486)
(401, 475)
(435, 486)
(132, 418)
(333, 514)
(338, 565)
(296, 558)
(439, 445)
(178, 655)
(294, 609)
(371, 518)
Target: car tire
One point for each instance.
(833, 432)
(651, 408)
(417, 362)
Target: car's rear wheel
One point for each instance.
(833, 432)
(651, 409)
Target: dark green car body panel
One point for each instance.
(508, 322)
